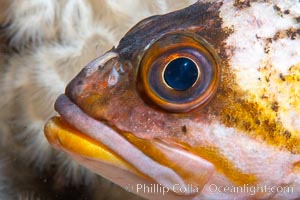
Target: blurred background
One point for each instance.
(43, 45)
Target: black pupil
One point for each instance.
(181, 73)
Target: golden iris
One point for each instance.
(179, 72)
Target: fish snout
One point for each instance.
(91, 77)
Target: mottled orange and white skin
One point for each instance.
(248, 135)
(250, 132)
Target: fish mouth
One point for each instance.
(133, 163)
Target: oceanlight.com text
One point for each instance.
(158, 189)
(249, 189)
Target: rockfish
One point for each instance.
(200, 103)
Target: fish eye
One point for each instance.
(179, 72)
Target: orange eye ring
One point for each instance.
(155, 89)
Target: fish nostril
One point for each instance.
(78, 84)
(97, 63)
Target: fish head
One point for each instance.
(185, 103)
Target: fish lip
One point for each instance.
(160, 173)
(73, 115)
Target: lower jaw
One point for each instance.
(124, 158)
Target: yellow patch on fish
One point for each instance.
(211, 154)
(256, 113)
(224, 165)
(153, 152)
(74, 141)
